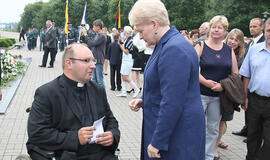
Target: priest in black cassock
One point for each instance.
(62, 114)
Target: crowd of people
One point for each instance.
(193, 83)
(213, 40)
(106, 51)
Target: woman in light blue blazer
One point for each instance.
(173, 116)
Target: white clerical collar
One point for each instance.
(80, 84)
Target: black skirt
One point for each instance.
(138, 62)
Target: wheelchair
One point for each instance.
(37, 153)
(41, 154)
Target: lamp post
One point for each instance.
(265, 14)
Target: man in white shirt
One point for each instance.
(256, 27)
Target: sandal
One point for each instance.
(223, 145)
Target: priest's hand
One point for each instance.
(85, 134)
(105, 139)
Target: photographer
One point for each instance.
(97, 45)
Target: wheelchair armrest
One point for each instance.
(43, 152)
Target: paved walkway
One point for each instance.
(13, 134)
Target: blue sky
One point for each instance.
(11, 10)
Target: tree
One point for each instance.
(30, 12)
(184, 14)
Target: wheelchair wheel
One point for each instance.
(23, 157)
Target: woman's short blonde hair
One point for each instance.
(240, 50)
(128, 30)
(144, 11)
(222, 19)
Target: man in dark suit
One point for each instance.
(115, 58)
(22, 33)
(57, 35)
(256, 27)
(62, 114)
(50, 46)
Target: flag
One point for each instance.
(83, 22)
(66, 18)
(84, 15)
(118, 16)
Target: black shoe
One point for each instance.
(119, 89)
(50, 67)
(240, 133)
(245, 140)
(41, 66)
(216, 158)
(132, 90)
(113, 89)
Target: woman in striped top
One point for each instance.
(127, 63)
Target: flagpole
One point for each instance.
(119, 19)
(66, 22)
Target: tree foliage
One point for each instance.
(184, 14)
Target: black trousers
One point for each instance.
(34, 43)
(258, 138)
(45, 55)
(29, 44)
(114, 68)
(21, 36)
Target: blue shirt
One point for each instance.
(256, 66)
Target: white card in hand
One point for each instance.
(99, 129)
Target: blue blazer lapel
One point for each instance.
(151, 59)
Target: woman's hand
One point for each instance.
(217, 88)
(135, 104)
(210, 83)
(152, 152)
